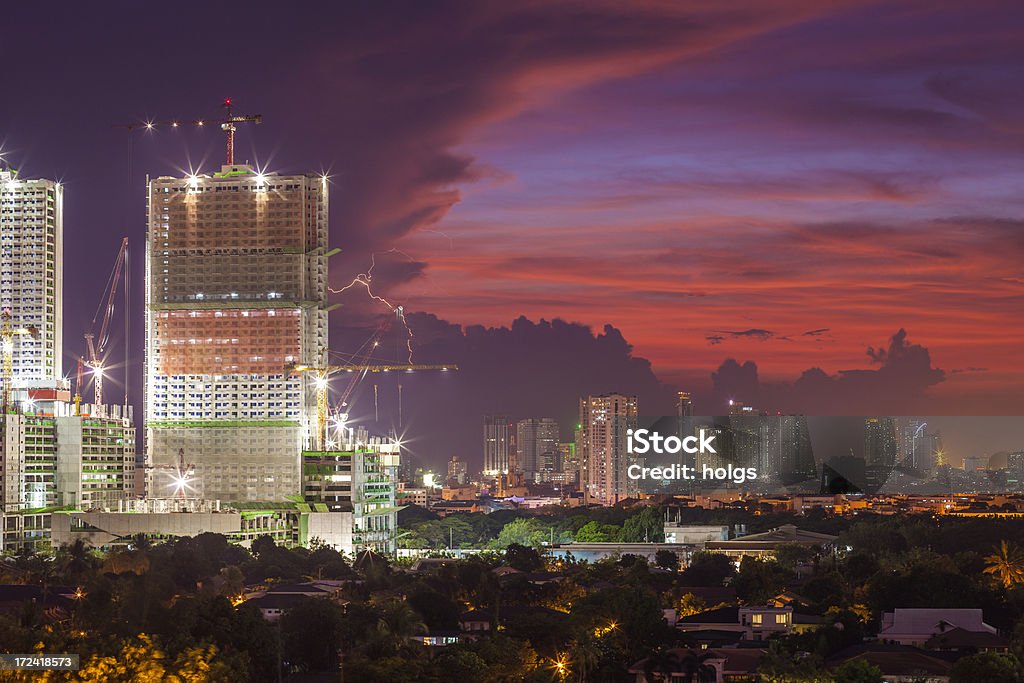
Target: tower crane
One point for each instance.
(8, 333)
(180, 473)
(322, 374)
(78, 387)
(228, 124)
(97, 344)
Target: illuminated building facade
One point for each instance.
(236, 284)
(537, 445)
(31, 261)
(602, 450)
(497, 444)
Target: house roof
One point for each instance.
(281, 601)
(908, 662)
(722, 615)
(927, 621)
(960, 638)
(785, 534)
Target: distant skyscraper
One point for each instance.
(537, 445)
(789, 456)
(880, 443)
(604, 421)
(497, 444)
(1015, 462)
(31, 267)
(456, 471)
(236, 285)
(684, 405)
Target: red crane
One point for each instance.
(97, 343)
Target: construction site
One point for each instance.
(239, 433)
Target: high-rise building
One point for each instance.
(52, 458)
(31, 264)
(537, 445)
(497, 444)
(602, 448)
(789, 457)
(236, 285)
(880, 442)
(456, 471)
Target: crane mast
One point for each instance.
(322, 374)
(8, 333)
(97, 344)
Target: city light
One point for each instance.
(560, 665)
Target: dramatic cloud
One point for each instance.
(899, 385)
(528, 369)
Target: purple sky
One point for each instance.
(786, 184)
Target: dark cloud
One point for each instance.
(753, 333)
(528, 369)
(815, 333)
(898, 386)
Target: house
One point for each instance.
(279, 598)
(765, 544)
(481, 620)
(684, 664)
(916, 626)
(898, 663)
(760, 623)
(720, 619)
(437, 638)
(961, 640)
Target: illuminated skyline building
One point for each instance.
(236, 285)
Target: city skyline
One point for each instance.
(747, 211)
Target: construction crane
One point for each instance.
(8, 333)
(97, 344)
(228, 124)
(322, 374)
(78, 387)
(181, 474)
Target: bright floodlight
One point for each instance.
(321, 382)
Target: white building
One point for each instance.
(537, 441)
(31, 260)
(236, 285)
(602, 451)
(53, 459)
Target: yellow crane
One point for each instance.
(322, 374)
(8, 333)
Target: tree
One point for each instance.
(708, 569)
(522, 531)
(857, 671)
(1006, 564)
(595, 532)
(397, 625)
(666, 559)
(523, 558)
(648, 525)
(584, 656)
(311, 634)
(759, 580)
(986, 666)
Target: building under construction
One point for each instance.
(236, 285)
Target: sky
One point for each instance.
(808, 206)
